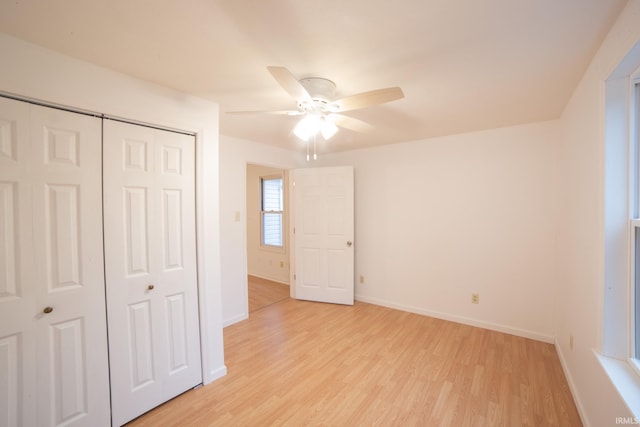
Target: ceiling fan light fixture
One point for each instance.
(328, 129)
(308, 126)
(312, 124)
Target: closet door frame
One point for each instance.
(79, 94)
(120, 96)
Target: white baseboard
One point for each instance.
(271, 279)
(234, 319)
(572, 386)
(215, 374)
(460, 319)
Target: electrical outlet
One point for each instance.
(475, 298)
(361, 279)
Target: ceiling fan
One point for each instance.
(320, 111)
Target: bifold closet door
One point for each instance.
(53, 339)
(152, 300)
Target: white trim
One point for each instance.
(625, 379)
(292, 238)
(273, 248)
(633, 236)
(235, 319)
(614, 336)
(271, 279)
(218, 373)
(461, 319)
(572, 386)
(634, 197)
(635, 365)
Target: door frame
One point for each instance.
(286, 218)
(292, 240)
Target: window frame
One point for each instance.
(263, 245)
(616, 352)
(634, 294)
(634, 224)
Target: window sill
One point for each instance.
(625, 379)
(273, 249)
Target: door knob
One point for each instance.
(349, 243)
(47, 310)
(150, 287)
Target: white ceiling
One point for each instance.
(464, 65)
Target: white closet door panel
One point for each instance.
(128, 180)
(11, 397)
(8, 241)
(172, 229)
(140, 344)
(62, 235)
(67, 340)
(17, 294)
(136, 231)
(180, 335)
(154, 338)
(51, 256)
(73, 382)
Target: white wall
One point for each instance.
(235, 154)
(268, 263)
(440, 219)
(579, 299)
(30, 71)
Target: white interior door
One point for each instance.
(152, 302)
(323, 234)
(53, 343)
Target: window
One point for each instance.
(271, 213)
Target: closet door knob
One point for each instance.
(150, 287)
(47, 310)
(349, 243)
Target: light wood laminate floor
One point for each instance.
(296, 363)
(263, 292)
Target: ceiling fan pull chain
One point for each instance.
(315, 156)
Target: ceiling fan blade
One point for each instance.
(350, 123)
(366, 99)
(280, 112)
(289, 83)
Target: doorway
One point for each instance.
(267, 235)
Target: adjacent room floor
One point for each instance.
(263, 293)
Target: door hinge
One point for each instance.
(294, 277)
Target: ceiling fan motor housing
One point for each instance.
(322, 92)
